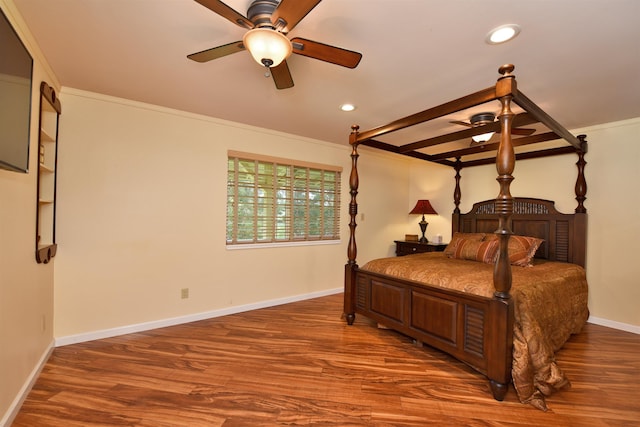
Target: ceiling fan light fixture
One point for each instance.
(267, 46)
(482, 137)
(502, 34)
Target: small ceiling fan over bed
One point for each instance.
(483, 119)
(268, 22)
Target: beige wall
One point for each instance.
(141, 215)
(612, 174)
(26, 288)
(614, 227)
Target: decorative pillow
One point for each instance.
(461, 237)
(477, 251)
(522, 249)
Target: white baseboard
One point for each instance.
(140, 327)
(15, 406)
(615, 325)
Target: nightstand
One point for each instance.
(407, 248)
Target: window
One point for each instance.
(271, 200)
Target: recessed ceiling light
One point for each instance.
(347, 107)
(503, 33)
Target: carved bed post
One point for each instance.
(505, 163)
(352, 249)
(580, 232)
(456, 198)
(581, 182)
(502, 317)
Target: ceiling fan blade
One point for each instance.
(226, 12)
(217, 52)
(325, 52)
(458, 122)
(290, 12)
(281, 76)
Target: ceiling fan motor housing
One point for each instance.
(482, 119)
(260, 12)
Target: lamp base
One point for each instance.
(423, 228)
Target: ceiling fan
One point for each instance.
(268, 22)
(486, 119)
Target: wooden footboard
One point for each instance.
(473, 329)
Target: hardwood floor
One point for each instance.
(300, 364)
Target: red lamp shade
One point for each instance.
(423, 207)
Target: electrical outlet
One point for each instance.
(184, 293)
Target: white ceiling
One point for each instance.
(578, 59)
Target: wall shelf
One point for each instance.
(50, 110)
(46, 169)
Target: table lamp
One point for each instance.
(423, 207)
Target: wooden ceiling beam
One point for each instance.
(525, 140)
(477, 98)
(521, 119)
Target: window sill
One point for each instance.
(283, 244)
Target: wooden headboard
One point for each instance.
(564, 234)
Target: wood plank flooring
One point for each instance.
(300, 365)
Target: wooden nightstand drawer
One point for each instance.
(407, 248)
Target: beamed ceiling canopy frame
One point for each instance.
(481, 154)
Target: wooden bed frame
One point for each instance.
(476, 330)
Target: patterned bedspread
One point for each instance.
(550, 304)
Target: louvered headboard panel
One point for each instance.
(564, 235)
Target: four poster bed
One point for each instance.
(504, 321)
